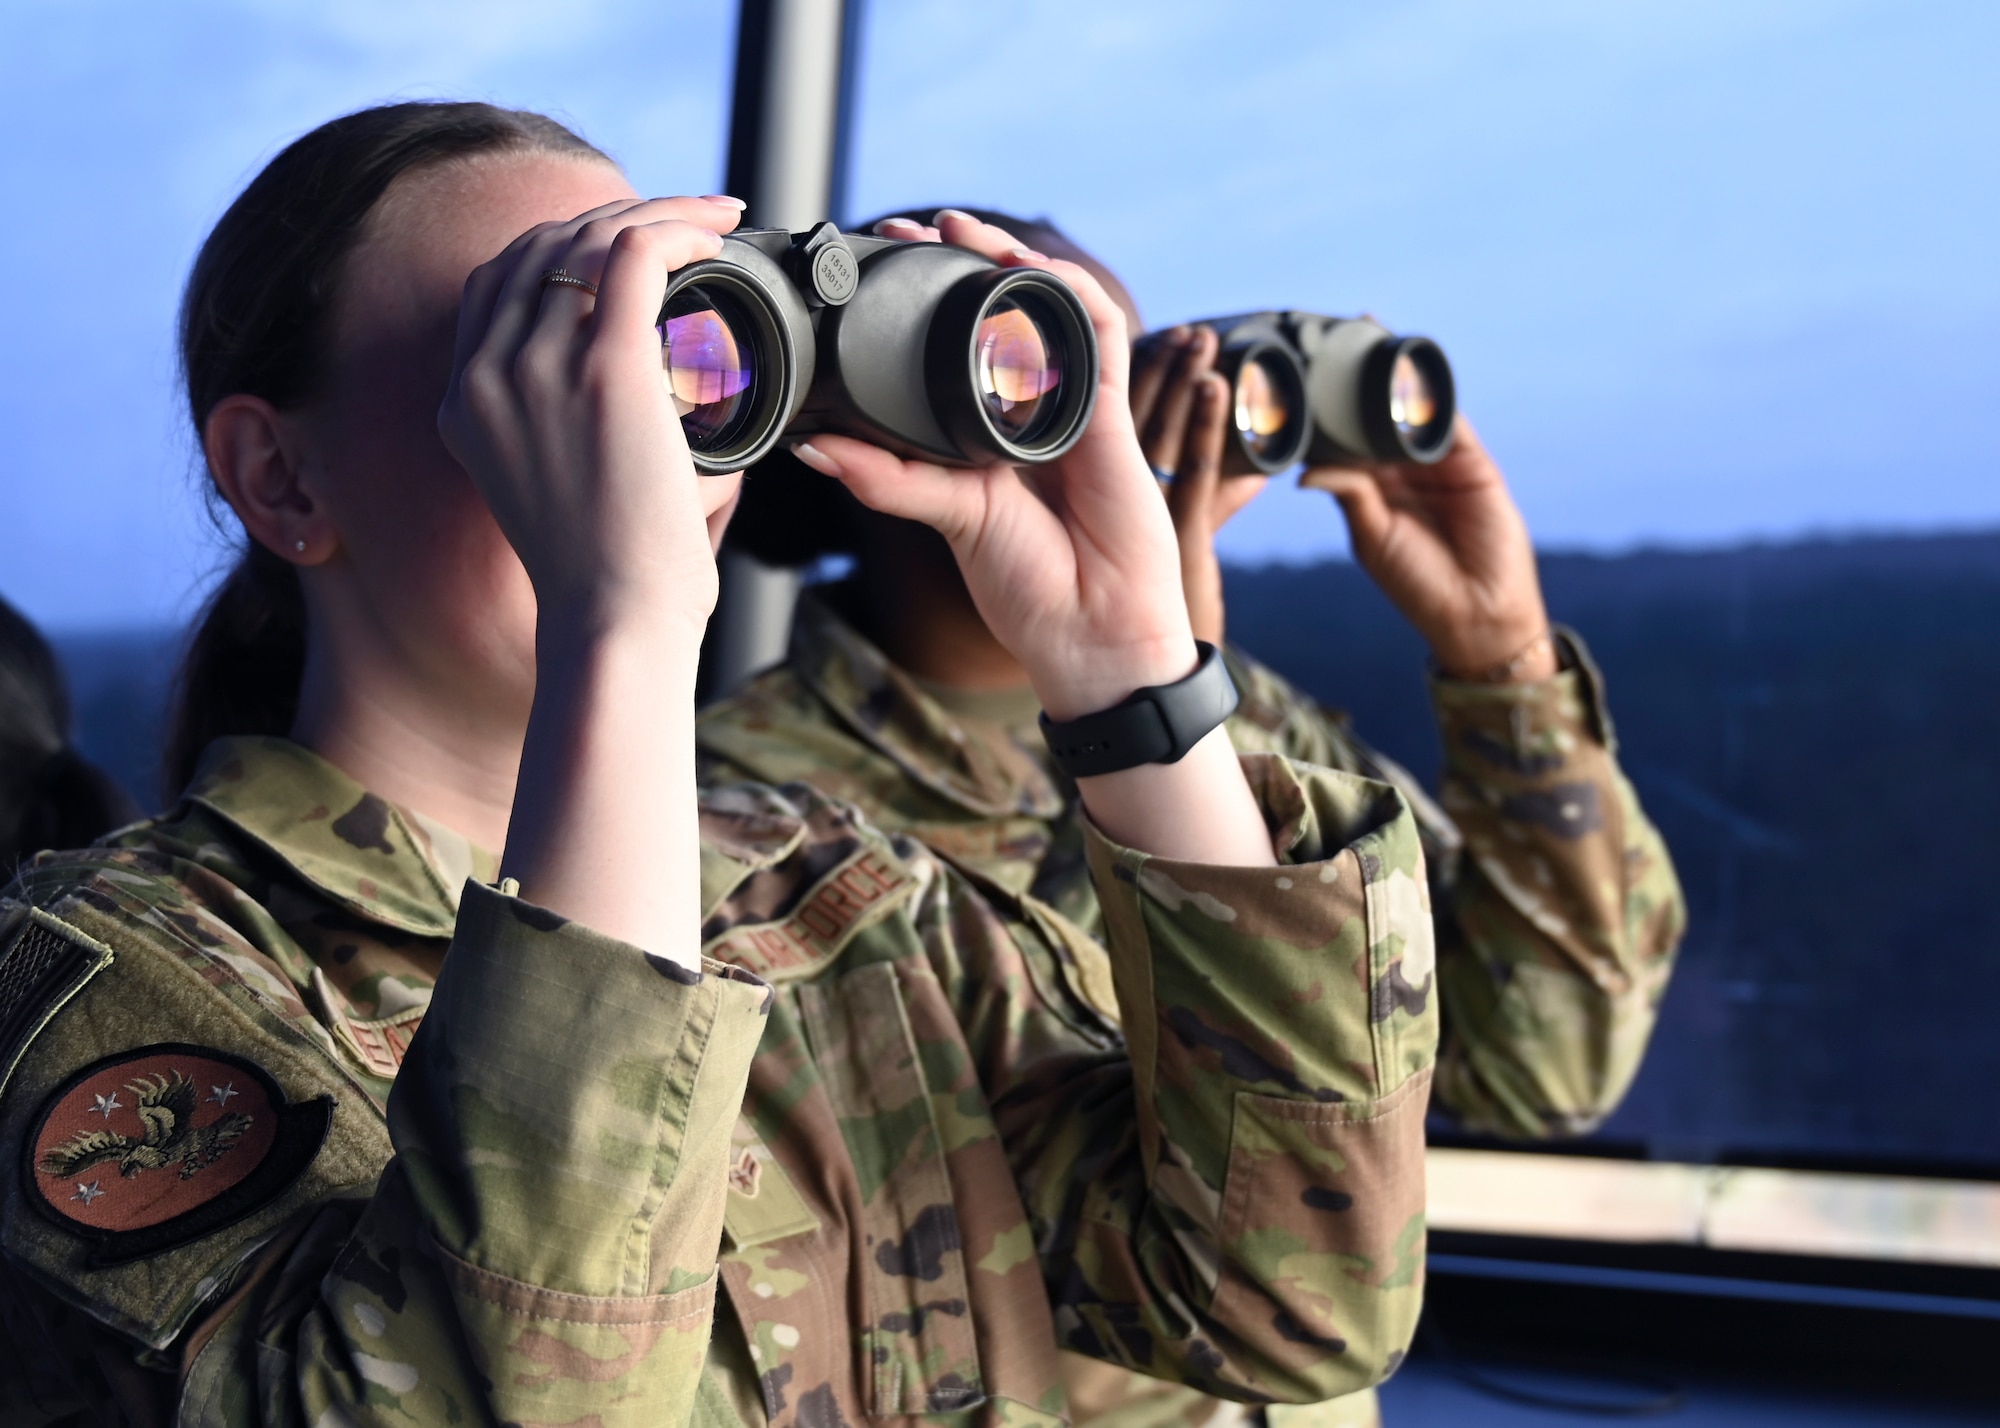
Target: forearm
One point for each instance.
(561, 1129)
(1566, 914)
(604, 828)
(1198, 810)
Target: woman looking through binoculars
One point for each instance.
(1558, 911)
(732, 1109)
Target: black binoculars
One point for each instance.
(928, 350)
(1328, 390)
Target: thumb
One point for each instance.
(1234, 495)
(950, 502)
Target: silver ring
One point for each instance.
(568, 280)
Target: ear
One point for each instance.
(253, 454)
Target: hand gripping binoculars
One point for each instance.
(1329, 391)
(928, 350)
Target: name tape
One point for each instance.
(822, 921)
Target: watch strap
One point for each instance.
(1155, 725)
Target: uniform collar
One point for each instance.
(975, 764)
(393, 865)
(388, 864)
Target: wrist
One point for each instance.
(1105, 677)
(620, 617)
(1197, 810)
(1531, 660)
(656, 647)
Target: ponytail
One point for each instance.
(241, 671)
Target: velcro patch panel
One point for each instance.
(43, 963)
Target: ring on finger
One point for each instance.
(569, 280)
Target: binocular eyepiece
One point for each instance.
(1327, 390)
(928, 350)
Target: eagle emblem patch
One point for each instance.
(155, 1147)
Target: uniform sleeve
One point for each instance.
(1560, 930)
(1273, 716)
(1558, 909)
(543, 1247)
(1235, 1199)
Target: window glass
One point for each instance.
(1716, 281)
(1718, 284)
(1706, 271)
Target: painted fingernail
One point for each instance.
(815, 458)
(726, 200)
(944, 213)
(1029, 255)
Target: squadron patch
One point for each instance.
(154, 1147)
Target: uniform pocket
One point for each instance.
(1323, 1235)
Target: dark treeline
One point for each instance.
(1816, 729)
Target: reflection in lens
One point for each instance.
(1412, 403)
(710, 370)
(1017, 370)
(1262, 412)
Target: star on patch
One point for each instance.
(200, 1139)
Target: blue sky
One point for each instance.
(1708, 271)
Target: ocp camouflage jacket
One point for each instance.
(1558, 909)
(896, 1103)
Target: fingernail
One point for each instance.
(815, 458)
(1179, 333)
(725, 200)
(944, 213)
(1029, 255)
(889, 223)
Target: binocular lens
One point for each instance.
(1412, 404)
(1263, 412)
(1019, 372)
(710, 368)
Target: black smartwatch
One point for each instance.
(1154, 726)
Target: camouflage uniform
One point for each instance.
(898, 1103)
(1559, 914)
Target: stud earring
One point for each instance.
(300, 547)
